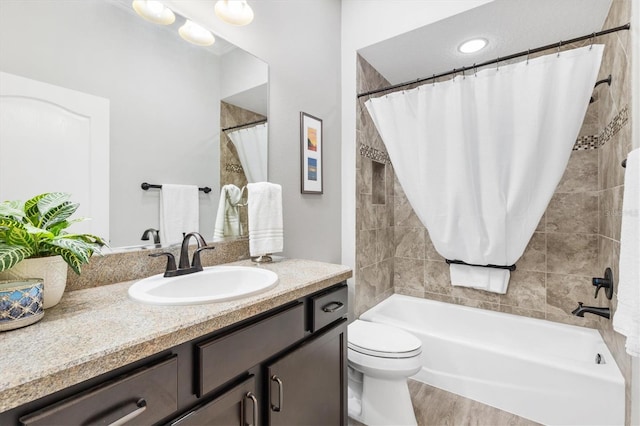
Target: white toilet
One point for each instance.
(381, 357)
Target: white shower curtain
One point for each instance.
(251, 145)
(479, 157)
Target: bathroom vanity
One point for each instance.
(275, 358)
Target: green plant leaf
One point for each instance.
(46, 202)
(12, 209)
(69, 256)
(31, 206)
(81, 249)
(11, 255)
(19, 237)
(58, 214)
(9, 223)
(38, 232)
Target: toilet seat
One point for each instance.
(382, 341)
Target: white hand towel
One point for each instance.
(228, 216)
(626, 319)
(488, 279)
(179, 212)
(266, 233)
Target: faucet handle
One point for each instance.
(196, 263)
(171, 262)
(606, 283)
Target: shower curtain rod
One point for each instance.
(244, 125)
(498, 59)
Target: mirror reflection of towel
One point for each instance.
(228, 216)
(179, 212)
(266, 234)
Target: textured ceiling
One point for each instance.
(511, 26)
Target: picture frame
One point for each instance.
(311, 147)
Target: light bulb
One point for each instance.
(154, 11)
(194, 33)
(236, 12)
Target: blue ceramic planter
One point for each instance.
(20, 303)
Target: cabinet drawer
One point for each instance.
(242, 349)
(144, 396)
(328, 306)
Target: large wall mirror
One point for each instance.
(174, 112)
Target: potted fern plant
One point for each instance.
(34, 242)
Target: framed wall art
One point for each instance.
(311, 165)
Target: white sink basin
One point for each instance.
(213, 284)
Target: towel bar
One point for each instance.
(146, 186)
(460, 262)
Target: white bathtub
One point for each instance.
(536, 369)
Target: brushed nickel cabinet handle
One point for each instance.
(278, 407)
(142, 406)
(254, 401)
(333, 306)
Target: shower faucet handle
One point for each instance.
(606, 283)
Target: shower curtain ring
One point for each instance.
(475, 70)
(463, 76)
(593, 38)
(498, 63)
(528, 51)
(434, 80)
(559, 46)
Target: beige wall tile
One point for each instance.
(575, 254)
(526, 290)
(573, 213)
(534, 257)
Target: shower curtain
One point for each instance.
(480, 156)
(251, 145)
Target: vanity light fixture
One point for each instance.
(473, 45)
(194, 33)
(154, 11)
(236, 12)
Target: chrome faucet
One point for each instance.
(184, 267)
(151, 231)
(581, 310)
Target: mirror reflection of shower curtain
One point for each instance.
(251, 145)
(479, 157)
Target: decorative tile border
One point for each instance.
(610, 130)
(614, 126)
(374, 154)
(234, 168)
(586, 142)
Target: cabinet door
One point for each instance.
(308, 385)
(237, 406)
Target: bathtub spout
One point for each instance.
(581, 310)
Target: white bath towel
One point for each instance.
(179, 212)
(228, 216)
(266, 234)
(626, 319)
(488, 279)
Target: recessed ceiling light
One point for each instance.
(154, 11)
(473, 45)
(196, 34)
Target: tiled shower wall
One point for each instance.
(614, 126)
(576, 239)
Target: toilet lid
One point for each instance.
(382, 340)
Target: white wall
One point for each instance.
(366, 22)
(96, 48)
(241, 71)
(300, 40)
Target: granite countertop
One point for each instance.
(99, 329)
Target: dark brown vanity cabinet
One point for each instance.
(284, 367)
(306, 385)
